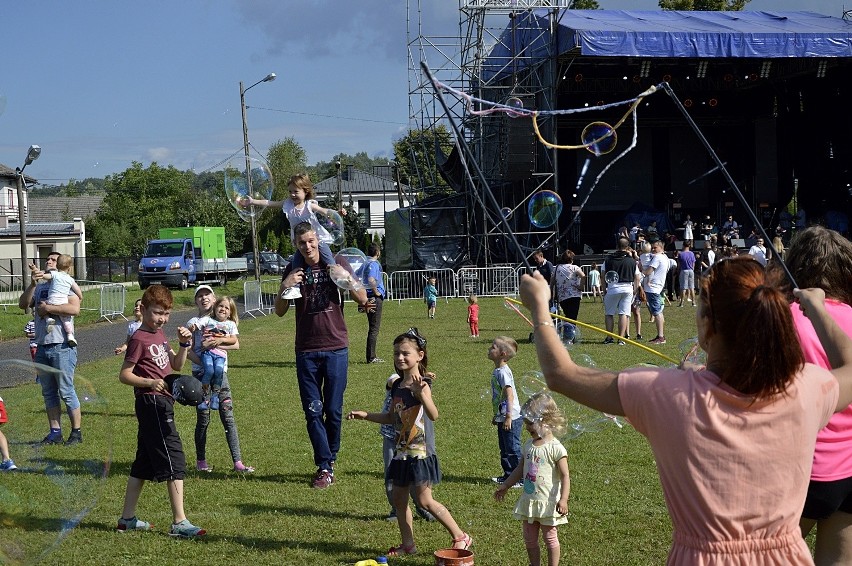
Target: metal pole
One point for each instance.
(22, 224)
(253, 211)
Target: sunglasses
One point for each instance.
(414, 334)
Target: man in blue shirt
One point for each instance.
(375, 297)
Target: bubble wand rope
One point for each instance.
(515, 308)
(602, 331)
(730, 180)
(468, 157)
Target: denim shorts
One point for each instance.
(655, 303)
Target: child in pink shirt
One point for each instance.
(473, 316)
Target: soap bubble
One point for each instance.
(342, 277)
(691, 354)
(331, 227)
(579, 419)
(506, 212)
(599, 138)
(569, 333)
(544, 209)
(237, 187)
(55, 487)
(611, 277)
(315, 406)
(517, 107)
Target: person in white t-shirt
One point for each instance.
(758, 252)
(655, 281)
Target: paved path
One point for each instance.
(96, 341)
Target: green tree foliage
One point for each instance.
(703, 5)
(140, 201)
(415, 156)
(584, 5)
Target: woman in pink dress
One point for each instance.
(733, 442)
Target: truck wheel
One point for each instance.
(143, 284)
(184, 283)
(223, 279)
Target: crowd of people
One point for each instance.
(753, 450)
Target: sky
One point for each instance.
(99, 84)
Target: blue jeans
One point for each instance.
(214, 369)
(226, 415)
(58, 385)
(510, 446)
(322, 382)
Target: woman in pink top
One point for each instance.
(733, 442)
(819, 257)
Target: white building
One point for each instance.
(372, 194)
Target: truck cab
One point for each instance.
(168, 262)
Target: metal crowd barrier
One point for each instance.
(404, 285)
(112, 301)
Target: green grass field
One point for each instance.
(617, 513)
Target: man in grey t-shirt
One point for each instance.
(54, 350)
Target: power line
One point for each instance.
(327, 116)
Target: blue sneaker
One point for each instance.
(8, 466)
(214, 402)
(133, 524)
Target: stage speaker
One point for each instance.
(700, 244)
(678, 244)
(738, 242)
(520, 150)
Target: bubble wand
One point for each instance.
(602, 331)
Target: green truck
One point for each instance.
(190, 255)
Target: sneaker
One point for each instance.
(659, 340)
(8, 466)
(609, 340)
(391, 516)
(638, 336)
(76, 437)
(185, 529)
(203, 406)
(376, 361)
(214, 402)
(242, 468)
(203, 466)
(498, 479)
(291, 293)
(622, 343)
(132, 524)
(72, 341)
(424, 514)
(518, 484)
(323, 479)
(52, 438)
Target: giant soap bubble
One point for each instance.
(599, 138)
(54, 487)
(544, 209)
(357, 260)
(237, 185)
(331, 223)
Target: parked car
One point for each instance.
(270, 263)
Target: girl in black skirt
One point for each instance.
(412, 413)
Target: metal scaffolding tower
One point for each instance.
(514, 165)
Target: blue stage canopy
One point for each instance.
(672, 34)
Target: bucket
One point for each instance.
(453, 557)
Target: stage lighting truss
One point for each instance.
(765, 68)
(823, 65)
(645, 69)
(702, 69)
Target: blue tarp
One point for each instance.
(625, 33)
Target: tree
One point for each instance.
(703, 5)
(325, 169)
(584, 5)
(415, 158)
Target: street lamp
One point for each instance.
(267, 78)
(32, 155)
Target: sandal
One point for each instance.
(465, 540)
(402, 550)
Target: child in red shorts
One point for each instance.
(7, 465)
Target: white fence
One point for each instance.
(108, 301)
(112, 297)
(481, 281)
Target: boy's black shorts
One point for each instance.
(159, 451)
